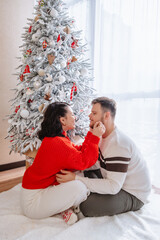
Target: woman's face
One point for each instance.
(68, 121)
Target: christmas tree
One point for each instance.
(53, 68)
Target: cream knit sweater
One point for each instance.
(122, 167)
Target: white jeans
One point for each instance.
(41, 203)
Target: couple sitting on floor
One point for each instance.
(115, 177)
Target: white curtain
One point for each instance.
(127, 47)
(124, 37)
(124, 43)
(83, 13)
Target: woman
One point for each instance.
(42, 196)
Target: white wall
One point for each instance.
(13, 17)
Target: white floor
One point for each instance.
(140, 225)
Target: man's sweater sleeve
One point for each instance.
(114, 167)
(111, 185)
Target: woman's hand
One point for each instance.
(66, 176)
(98, 129)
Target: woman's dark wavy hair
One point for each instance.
(51, 125)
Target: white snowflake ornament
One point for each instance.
(63, 64)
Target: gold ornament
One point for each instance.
(67, 30)
(51, 58)
(37, 17)
(47, 96)
(40, 108)
(74, 59)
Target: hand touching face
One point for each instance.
(98, 129)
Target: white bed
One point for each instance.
(143, 224)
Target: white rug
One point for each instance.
(143, 224)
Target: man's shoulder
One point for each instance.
(120, 136)
(122, 142)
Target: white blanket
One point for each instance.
(143, 224)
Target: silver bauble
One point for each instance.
(24, 113)
(54, 13)
(37, 84)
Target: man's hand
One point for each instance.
(66, 176)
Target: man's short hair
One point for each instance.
(106, 104)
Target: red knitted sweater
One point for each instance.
(59, 153)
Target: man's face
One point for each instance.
(96, 114)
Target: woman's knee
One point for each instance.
(80, 191)
(79, 187)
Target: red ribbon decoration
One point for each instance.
(73, 89)
(68, 62)
(30, 29)
(21, 77)
(59, 38)
(17, 108)
(12, 139)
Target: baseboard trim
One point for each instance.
(8, 166)
(10, 178)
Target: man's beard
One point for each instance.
(92, 125)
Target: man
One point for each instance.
(124, 182)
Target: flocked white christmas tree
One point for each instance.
(53, 69)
